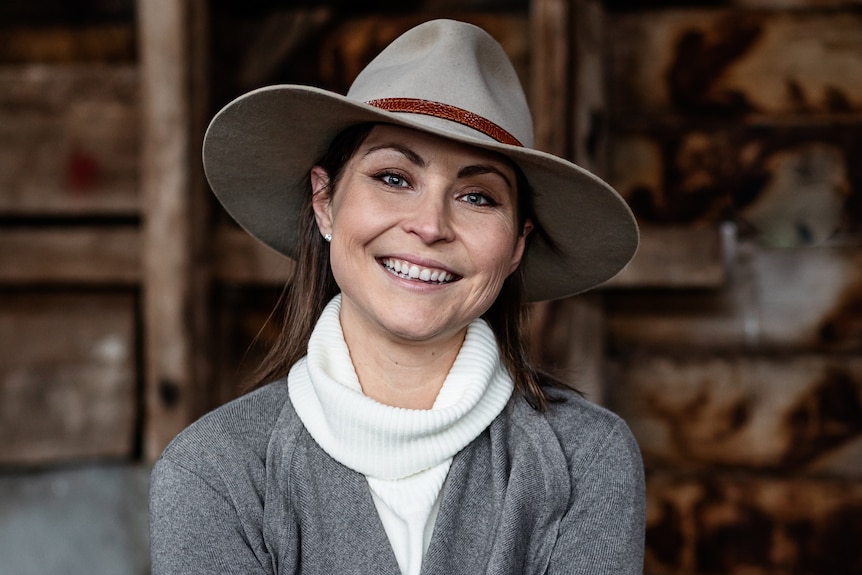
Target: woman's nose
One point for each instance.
(431, 218)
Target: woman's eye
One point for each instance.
(478, 199)
(394, 180)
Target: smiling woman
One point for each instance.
(431, 207)
(398, 426)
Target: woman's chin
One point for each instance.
(418, 331)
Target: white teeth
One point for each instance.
(412, 271)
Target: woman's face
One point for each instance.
(424, 232)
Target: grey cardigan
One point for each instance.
(247, 490)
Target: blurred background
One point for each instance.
(130, 304)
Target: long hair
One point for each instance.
(313, 286)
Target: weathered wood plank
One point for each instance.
(631, 5)
(551, 74)
(795, 4)
(676, 257)
(339, 44)
(589, 131)
(730, 62)
(778, 299)
(280, 38)
(566, 340)
(67, 377)
(239, 258)
(68, 139)
(95, 255)
(102, 43)
(800, 414)
(247, 324)
(566, 335)
(46, 12)
(673, 258)
(738, 525)
(786, 184)
(174, 281)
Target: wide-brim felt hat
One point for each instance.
(442, 77)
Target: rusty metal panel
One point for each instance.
(68, 139)
(739, 525)
(799, 415)
(732, 62)
(67, 377)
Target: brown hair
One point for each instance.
(313, 286)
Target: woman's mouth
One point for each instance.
(407, 270)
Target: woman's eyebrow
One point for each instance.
(412, 156)
(467, 171)
(478, 169)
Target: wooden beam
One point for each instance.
(589, 100)
(567, 96)
(567, 341)
(550, 89)
(92, 255)
(674, 258)
(173, 277)
(678, 257)
(100, 255)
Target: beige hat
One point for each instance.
(442, 77)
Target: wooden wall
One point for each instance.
(130, 304)
(69, 371)
(746, 397)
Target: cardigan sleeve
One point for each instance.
(194, 527)
(603, 530)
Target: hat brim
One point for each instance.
(259, 149)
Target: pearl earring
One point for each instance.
(328, 237)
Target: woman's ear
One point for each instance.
(321, 199)
(520, 245)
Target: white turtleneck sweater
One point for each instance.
(404, 453)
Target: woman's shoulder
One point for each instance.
(239, 429)
(582, 429)
(569, 411)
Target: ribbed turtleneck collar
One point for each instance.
(386, 442)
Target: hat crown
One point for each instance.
(479, 77)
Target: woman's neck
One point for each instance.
(399, 373)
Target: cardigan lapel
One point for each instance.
(503, 500)
(337, 516)
(464, 530)
(320, 514)
(500, 510)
